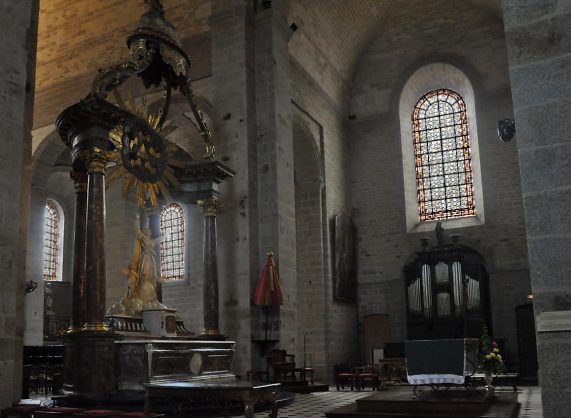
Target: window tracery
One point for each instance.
(442, 156)
(172, 242)
(51, 238)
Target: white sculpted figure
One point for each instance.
(142, 275)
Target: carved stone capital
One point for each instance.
(95, 160)
(79, 181)
(211, 206)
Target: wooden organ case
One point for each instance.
(447, 291)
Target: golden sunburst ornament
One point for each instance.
(142, 155)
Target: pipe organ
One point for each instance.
(447, 292)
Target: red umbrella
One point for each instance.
(269, 291)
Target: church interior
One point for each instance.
(296, 192)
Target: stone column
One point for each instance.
(78, 295)
(211, 207)
(95, 247)
(17, 63)
(232, 27)
(276, 197)
(537, 34)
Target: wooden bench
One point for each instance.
(222, 389)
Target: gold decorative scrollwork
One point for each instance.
(95, 159)
(211, 206)
(97, 327)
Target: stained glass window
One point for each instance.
(51, 237)
(172, 242)
(442, 156)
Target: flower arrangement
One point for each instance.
(491, 359)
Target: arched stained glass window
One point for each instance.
(442, 156)
(51, 238)
(172, 242)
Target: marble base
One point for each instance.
(106, 365)
(89, 364)
(148, 361)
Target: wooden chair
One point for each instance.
(282, 364)
(304, 373)
(367, 376)
(345, 375)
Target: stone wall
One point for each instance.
(18, 23)
(235, 133)
(538, 34)
(48, 182)
(408, 40)
(326, 119)
(310, 260)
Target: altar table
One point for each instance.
(441, 361)
(218, 389)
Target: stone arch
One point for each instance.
(430, 77)
(46, 153)
(187, 136)
(50, 180)
(311, 284)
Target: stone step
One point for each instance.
(504, 405)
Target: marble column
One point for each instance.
(210, 207)
(79, 283)
(95, 247)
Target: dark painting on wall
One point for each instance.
(344, 274)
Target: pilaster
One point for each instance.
(276, 193)
(232, 27)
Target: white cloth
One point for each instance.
(430, 379)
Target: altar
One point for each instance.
(112, 354)
(434, 362)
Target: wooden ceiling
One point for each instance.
(78, 37)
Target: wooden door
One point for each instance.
(376, 333)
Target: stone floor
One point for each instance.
(314, 405)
